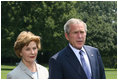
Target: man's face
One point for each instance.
(77, 35)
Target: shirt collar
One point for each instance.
(75, 49)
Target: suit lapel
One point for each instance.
(91, 59)
(25, 69)
(72, 59)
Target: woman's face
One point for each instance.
(29, 52)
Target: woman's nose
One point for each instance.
(32, 51)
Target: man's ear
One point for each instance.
(66, 36)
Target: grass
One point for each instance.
(110, 72)
(5, 69)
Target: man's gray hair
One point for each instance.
(73, 21)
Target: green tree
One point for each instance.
(100, 18)
(47, 18)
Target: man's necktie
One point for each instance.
(84, 65)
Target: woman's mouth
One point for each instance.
(32, 56)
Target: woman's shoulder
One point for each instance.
(13, 72)
(40, 66)
(42, 71)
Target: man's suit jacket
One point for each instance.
(22, 72)
(65, 65)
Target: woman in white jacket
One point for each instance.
(26, 47)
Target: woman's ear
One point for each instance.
(20, 54)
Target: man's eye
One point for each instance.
(75, 32)
(82, 32)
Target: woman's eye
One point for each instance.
(27, 49)
(34, 48)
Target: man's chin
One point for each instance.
(79, 47)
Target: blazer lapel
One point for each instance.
(26, 70)
(91, 59)
(38, 70)
(72, 59)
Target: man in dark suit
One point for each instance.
(76, 61)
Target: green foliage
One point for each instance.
(47, 18)
(101, 21)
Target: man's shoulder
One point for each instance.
(61, 53)
(90, 47)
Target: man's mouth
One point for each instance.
(79, 41)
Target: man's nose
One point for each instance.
(79, 35)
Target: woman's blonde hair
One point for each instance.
(23, 39)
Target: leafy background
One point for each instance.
(47, 18)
